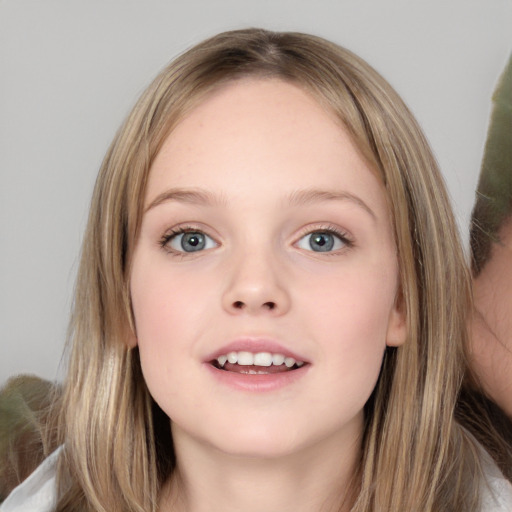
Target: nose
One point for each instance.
(255, 285)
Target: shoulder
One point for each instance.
(496, 490)
(38, 492)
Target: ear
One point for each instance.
(130, 336)
(397, 323)
(131, 339)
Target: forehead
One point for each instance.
(257, 127)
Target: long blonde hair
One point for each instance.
(118, 446)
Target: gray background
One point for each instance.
(70, 70)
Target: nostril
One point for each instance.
(266, 305)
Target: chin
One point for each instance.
(265, 448)
(262, 441)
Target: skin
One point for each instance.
(254, 150)
(492, 322)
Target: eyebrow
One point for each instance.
(308, 196)
(183, 195)
(297, 198)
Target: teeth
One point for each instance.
(263, 359)
(245, 358)
(257, 359)
(289, 362)
(277, 359)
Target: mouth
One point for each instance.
(256, 363)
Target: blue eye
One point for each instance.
(322, 241)
(189, 241)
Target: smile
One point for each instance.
(259, 363)
(254, 364)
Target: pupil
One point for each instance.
(321, 242)
(191, 242)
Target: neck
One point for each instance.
(319, 478)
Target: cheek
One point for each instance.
(350, 315)
(347, 316)
(355, 303)
(158, 306)
(164, 336)
(166, 304)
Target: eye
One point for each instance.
(188, 241)
(322, 241)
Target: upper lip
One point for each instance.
(254, 345)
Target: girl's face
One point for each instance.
(265, 237)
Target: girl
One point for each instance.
(271, 305)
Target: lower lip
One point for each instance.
(258, 383)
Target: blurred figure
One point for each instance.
(491, 247)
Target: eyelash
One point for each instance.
(332, 230)
(329, 229)
(169, 235)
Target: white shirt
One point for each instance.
(38, 492)
(497, 491)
